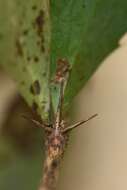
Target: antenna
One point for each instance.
(78, 124)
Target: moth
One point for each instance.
(56, 133)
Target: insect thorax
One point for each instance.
(55, 144)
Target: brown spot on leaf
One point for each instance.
(25, 32)
(34, 7)
(39, 24)
(36, 59)
(19, 49)
(39, 21)
(35, 88)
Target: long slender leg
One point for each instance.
(78, 124)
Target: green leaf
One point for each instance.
(23, 173)
(34, 35)
(24, 50)
(84, 32)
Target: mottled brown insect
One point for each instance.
(56, 136)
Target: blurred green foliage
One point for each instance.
(21, 150)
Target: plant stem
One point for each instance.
(50, 176)
(55, 146)
(56, 139)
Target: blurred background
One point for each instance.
(96, 157)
